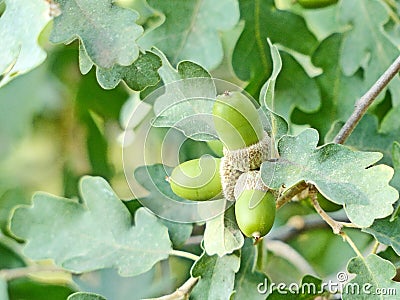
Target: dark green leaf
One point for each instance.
(339, 91)
(341, 175)
(25, 288)
(251, 57)
(386, 232)
(100, 230)
(139, 75)
(309, 289)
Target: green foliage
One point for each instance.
(222, 235)
(19, 49)
(107, 42)
(190, 30)
(373, 274)
(210, 267)
(381, 51)
(138, 65)
(248, 278)
(336, 171)
(66, 221)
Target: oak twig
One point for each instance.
(366, 100)
(182, 293)
(9, 274)
(290, 193)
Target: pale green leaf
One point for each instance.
(267, 93)
(186, 104)
(106, 41)
(217, 276)
(222, 234)
(85, 296)
(396, 165)
(373, 274)
(248, 279)
(190, 29)
(139, 75)
(339, 91)
(99, 229)
(366, 44)
(20, 26)
(340, 174)
(386, 232)
(274, 124)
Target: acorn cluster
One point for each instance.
(236, 175)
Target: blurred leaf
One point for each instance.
(247, 279)
(85, 296)
(222, 235)
(318, 246)
(341, 175)
(251, 57)
(25, 288)
(338, 91)
(217, 276)
(20, 26)
(186, 104)
(309, 288)
(386, 232)
(107, 42)
(139, 75)
(8, 200)
(3, 289)
(21, 100)
(9, 258)
(366, 44)
(374, 271)
(190, 30)
(367, 136)
(100, 230)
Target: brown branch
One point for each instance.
(290, 193)
(182, 293)
(365, 101)
(9, 274)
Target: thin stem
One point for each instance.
(375, 248)
(351, 243)
(336, 226)
(184, 254)
(182, 293)
(9, 274)
(366, 100)
(290, 193)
